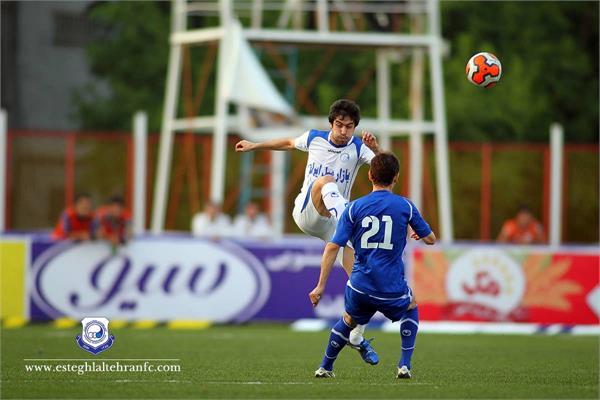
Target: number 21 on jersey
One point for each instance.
(374, 224)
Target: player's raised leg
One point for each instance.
(409, 325)
(337, 340)
(327, 198)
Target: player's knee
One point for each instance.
(321, 181)
(349, 321)
(413, 304)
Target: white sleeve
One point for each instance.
(301, 142)
(366, 154)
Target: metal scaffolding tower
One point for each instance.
(292, 28)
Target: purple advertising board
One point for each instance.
(178, 277)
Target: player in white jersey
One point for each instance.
(334, 158)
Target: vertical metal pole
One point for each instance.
(178, 21)
(297, 15)
(322, 16)
(217, 173)
(3, 169)
(416, 105)
(383, 96)
(257, 6)
(278, 191)
(439, 115)
(556, 181)
(140, 136)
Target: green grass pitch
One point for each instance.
(271, 361)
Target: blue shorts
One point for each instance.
(361, 307)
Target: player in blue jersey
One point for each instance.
(334, 158)
(377, 226)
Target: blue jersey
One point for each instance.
(376, 225)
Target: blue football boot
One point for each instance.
(367, 352)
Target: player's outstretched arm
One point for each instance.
(273, 144)
(429, 239)
(327, 261)
(371, 141)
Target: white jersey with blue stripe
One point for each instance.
(327, 158)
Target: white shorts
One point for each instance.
(311, 222)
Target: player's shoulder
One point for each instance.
(358, 144)
(396, 202)
(315, 133)
(404, 203)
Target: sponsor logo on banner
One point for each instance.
(151, 279)
(94, 336)
(487, 282)
(506, 283)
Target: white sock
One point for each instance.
(340, 256)
(333, 199)
(356, 335)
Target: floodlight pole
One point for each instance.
(322, 16)
(439, 117)
(416, 106)
(257, 6)
(383, 95)
(178, 23)
(217, 173)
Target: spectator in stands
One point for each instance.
(252, 223)
(75, 222)
(113, 222)
(522, 229)
(211, 222)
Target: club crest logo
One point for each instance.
(94, 336)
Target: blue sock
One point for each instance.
(409, 324)
(337, 341)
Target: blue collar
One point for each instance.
(339, 145)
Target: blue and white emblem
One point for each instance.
(94, 337)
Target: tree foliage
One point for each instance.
(549, 53)
(131, 60)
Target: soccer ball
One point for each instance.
(484, 70)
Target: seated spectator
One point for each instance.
(113, 222)
(522, 229)
(211, 222)
(252, 223)
(75, 222)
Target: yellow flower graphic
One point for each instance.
(544, 286)
(429, 274)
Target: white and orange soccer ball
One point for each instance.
(484, 70)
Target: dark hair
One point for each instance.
(81, 196)
(384, 167)
(116, 200)
(344, 108)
